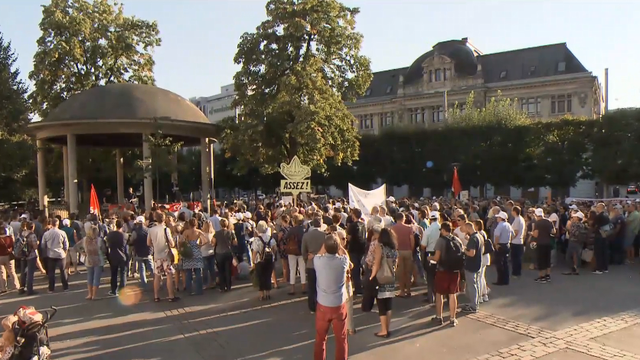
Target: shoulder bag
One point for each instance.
(385, 275)
(172, 253)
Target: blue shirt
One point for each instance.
(504, 231)
(331, 274)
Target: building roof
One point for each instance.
(126, 102)
(520, 64)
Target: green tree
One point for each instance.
(16, 149)
(297, 70)
(86, 44)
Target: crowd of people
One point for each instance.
(335, 252)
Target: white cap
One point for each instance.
(435, 205)
(573, 207)
(247, 215)
(503, 215)
(416, 205)
(140, 220)
(239, 216)
(539, 212)
(24, 216)
(579, 214)
(434, 215)
(337, 205)
(391, 198)
(66, 222)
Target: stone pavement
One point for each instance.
(572, 318)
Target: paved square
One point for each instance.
(572, 318)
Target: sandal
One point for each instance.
(156, 299)
(174, 299)
(384, 336)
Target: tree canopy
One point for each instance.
(89, 43)
(16, 149)
(297, 69)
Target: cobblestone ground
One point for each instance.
(572, 318)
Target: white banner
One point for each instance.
(570, 200)
(365, 200)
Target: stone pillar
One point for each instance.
(205, 177)
(204, 172)
(148, 181)
(120, 176)
(42, 178)
(73, 173)
(65, 166)
(212, 154)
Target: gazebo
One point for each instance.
(121, 116)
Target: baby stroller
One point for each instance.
(32, 334)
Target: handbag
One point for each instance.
(586, 255)
(385, 275)
(12, 256)
(173, 253)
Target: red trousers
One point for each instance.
(325, 318)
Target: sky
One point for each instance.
(199, 37)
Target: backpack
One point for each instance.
(452, 258)
(294, 240)
(21, 248)
(488, 246)
(266, 254)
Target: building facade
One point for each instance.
(547, 81)
(217, 107)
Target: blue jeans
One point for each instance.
(118, 270)
(209, 270)
(190, 282)
(52, 266)
(473, 288)
(418, 263)
(94, 273)
(517, 251)
(144, 264)
(27, 272)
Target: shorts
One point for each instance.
(163, 267)
(543, 256)
(574, 249)
(447, 282)
(384, 305)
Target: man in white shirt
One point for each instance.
(428, 246)
(161, 240)
(215, 219)
(57, 245)
(517, 243)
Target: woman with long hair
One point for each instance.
(263, 248)
(193, 239)
(27, 273)
(223, 242)
(486, 261)
(208, 256)
(385, 254)
(95, 250)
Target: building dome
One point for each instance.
(464, 59)
(126, 102)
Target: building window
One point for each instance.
(531, 106)
(386, 119)
(423, 115)
(437, 115)
(438, 74)
(532, 70)
(389, 88)
(368, 92)
(561, 104)
(503, 75)
(430, 75)
(447, 74)
(417, 115)
(367, 121)
(562, 66)
(361, 121)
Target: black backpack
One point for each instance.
(21, 248)
(488, 245)
(452, 258)
(362, 234)
(267, 253)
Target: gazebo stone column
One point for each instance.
(205, 163)
(148, 182)
(120, 176)
(73, 173)
(65, 167)
(42, 177)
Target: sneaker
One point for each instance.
(597, 272)
(547, 278)
(453, 322)
(606, 271)
(469, 309)
(437, 320)
(541, 280)
(485, 298)
(111, 293)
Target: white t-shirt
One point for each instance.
(257, 244)
(555, 220)
(461, 235)
(518, 227)
(387, 221)
(159, 241)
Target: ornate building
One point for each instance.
(548, 81)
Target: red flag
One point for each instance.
(94, 203)
(456, 187)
